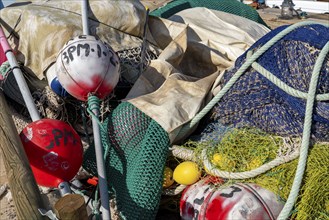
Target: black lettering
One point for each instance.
(82, 36)
(57, 136)
(99, 50)
(198, 201)
(86, 47)
(50, 146)
(70, 50)
(66, 58)
(230, 195)
(67, 135)
(196, 214)
(112, 60)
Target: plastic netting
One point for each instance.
(254, 101)
(247, 149)
(252, 122)
(229, 6)
(138, 148)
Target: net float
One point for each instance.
(86, 65)
(54, 150)
(208, 200)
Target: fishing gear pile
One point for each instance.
(259, 120)
(255, 101)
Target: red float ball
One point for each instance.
(54, 150)
(208, 200)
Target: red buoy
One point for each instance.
(54, 150)
(207, 200)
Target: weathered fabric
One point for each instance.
(196, 50)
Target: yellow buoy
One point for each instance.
(187, 173)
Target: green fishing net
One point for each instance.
(137, 152)
(228, 6)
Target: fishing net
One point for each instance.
(233, 7)
(137, 151)
(255, 101)
(137, 144)
(245, 149)
(256, 122)
(133, 63)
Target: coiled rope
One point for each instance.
(310, 96)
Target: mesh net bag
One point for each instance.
(233, 7)
(261, 103)
(138, 148)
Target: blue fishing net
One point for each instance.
(254, 101)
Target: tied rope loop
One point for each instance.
(94, 104)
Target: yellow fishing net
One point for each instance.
(247, 149)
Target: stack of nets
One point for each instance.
(254, 101)
(228, 6)
(137, 149)
(256, 122)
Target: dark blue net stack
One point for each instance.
(254, 101)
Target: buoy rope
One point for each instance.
(94, 103)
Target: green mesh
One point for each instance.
(138, 148)
(228, 6)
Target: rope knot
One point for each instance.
(93, 102)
